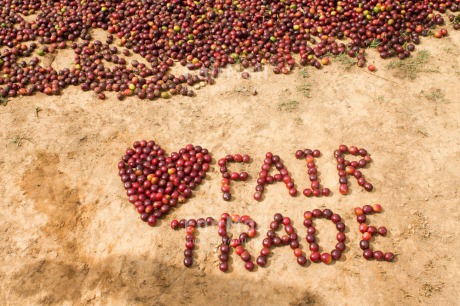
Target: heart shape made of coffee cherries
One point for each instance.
(155, 182)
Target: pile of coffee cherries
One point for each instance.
(154, 182)
(203, 36)
(265, 178)
(234, 176)
(336, 253)
(370, 231)
(316, 189)
(273, 240)
(346, 168)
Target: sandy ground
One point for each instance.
(70, 236)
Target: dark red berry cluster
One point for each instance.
(234, 176)
(154, 182)
(265, 178)
(369, 231)
(316, 189)
(347, 168)
(190, 226)
(202, 36)
(336, 253)
(238, 243)
(273, 240)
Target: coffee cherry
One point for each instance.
(226, 196)
(367, 236)
(364, 244)
(368, 254)
(297, 252)
(174, 224)
(336, 254)
(223, 266)
(372, 230)
(340, 246)
(299, 154)
(377, 208)
(367, 209)
(361, 218)
(301, 260)
(389, 256)
(315, 256)
(326, 258)
(261, 261)
(378, 255)
(188, 261)
(249, 265)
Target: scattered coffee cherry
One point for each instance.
(273, 240)
(234, 176)
(367, 254)
(188, 261)
(346, 168)
(223, 266)
(245, 75)
(377, 208)
(359, 211)
(378, 255)
(264, 178)
(327, 258)
(315, 256)
(369, 231)
(389, 256)
(364, 244)
(316, 189)
(249, 265)
(236, 244)
(155, 182)
(361, 218)
(301, 260)
(174, 224)
(382, 231)
(367, 209)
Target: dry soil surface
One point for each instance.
(70, 236)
